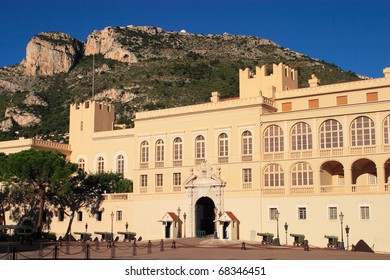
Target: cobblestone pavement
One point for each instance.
(180, 249)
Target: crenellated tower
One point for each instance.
(261, 82)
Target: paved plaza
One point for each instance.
(181, 249)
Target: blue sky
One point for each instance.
(353, 34)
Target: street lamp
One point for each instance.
(341, 216)
(178, 222)
(286, 229)
(347, 232)
(127, 226)
(185, 218)
(277, 241)
(86, 227)
(112, 227)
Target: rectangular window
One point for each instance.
(79, 216)
(372, 96)
(332, 213)
(118, 215)
(247, 175)
(159, 180)
(176, 179)
(273, 213)
(98, 216)
(342, 100)
(61, 216)
(144, 180)
(286, 107)
(302, 214)
(364, 212)
(314, 103)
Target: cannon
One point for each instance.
(333, 241)
(299, 239)
(267, 237)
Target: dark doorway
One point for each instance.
(204, 216)
(168, 230)
(225, 230)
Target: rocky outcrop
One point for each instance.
(49, 53)
(22, 118)
(106, 42)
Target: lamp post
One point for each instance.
(127, 226)
(286, 229)
(277, 240)
(347, 232)
(178, 222)
(86, 227)
(185, 218)
(341, 216)
(112, 227)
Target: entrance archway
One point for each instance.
(204, 215)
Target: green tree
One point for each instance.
(32, 173)
(85, 191)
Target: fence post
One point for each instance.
(173, 246)
(56, 252)
(134, 248)
(41, 249)
(113, 251)
(14, 253)
(162, 245)
(243, 246)
(67, 247)
(87, 257)
(149, 246)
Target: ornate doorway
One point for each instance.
(204, 216)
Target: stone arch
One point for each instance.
(332, 173)
(363, 171)
(205, 215)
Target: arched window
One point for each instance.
(273, 176)
(120, 164)
(331, 135)
(273, 139)
(301, 174)
(301, 137)
(362, 132)
(223, 145)
(246, 143)
(386, 131)
(81, 164)
(100, 165)
(160, 150)
(144, 157)
(200, 147)
(177, 149)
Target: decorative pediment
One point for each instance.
(227, 216)
(204, 176)
(169, 217)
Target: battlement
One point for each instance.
(261, 82)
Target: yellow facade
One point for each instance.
(230, 165)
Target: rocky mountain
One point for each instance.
(136, 68)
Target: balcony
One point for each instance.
(273, 191)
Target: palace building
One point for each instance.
(236, 167)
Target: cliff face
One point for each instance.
(106, 42)
(49, 53)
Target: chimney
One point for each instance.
(386, 72)
(314, 81)
(215, 96)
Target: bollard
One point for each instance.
(243, 246)
(173, 246)
(40, 250)
(134, 248)
(162, 245)
(14, 253)
(113, 251)
(87, 252)
(67, 247)
(97, 244)
(55, 252)
(149, 247)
